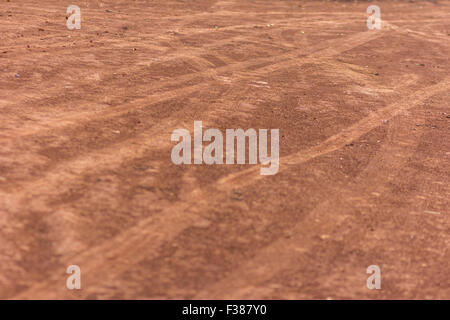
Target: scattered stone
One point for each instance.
(376, 194)
(432, 212)
(260, 84)
(236, 195)
(324, 236)
(288, 234)
(40, 29)
(147, 188)
(141, 167)
(202, 223)
(17, 75)
(116, 131)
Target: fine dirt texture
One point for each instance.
(86, 176)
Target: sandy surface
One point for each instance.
(86, 176)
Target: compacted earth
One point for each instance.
(86, 176)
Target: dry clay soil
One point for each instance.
(86, 176)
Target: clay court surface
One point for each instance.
(86, 176)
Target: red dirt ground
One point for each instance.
(86, 176)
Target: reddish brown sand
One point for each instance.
(86, 176)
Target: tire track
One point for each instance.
(103, 265)
(257, 274)
(154, 134)
(174, 210)
(339, 140)
(321, 50)
(164, 57)
(132, 245)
